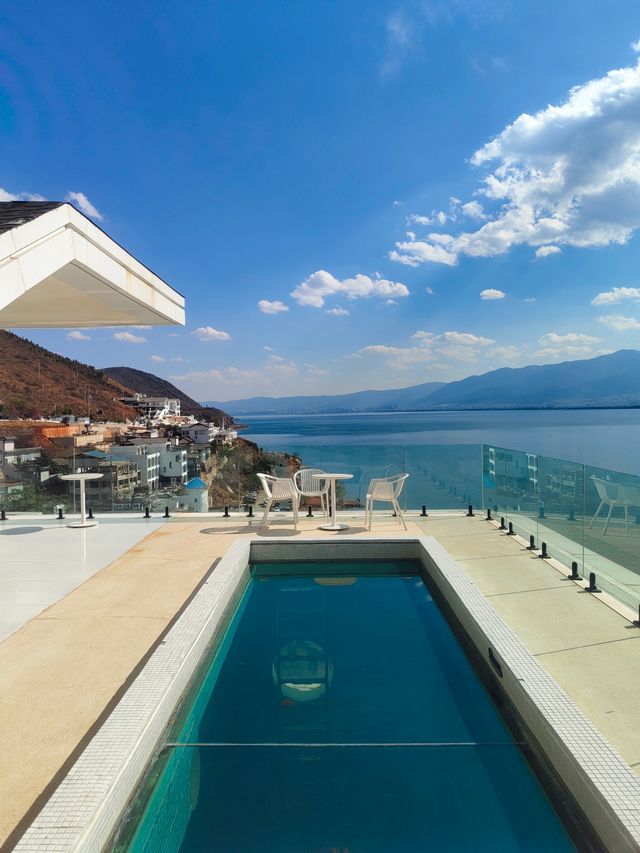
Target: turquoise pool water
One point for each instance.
(341, 714)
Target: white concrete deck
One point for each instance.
(44, 560)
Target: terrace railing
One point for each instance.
(586, 516)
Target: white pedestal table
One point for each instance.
(332, 498)
(82, 479)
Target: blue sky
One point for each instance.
(349, 194)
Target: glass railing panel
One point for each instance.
(516, 488)
(363, 462)
(497, 483)
(444, 476)
(561, 509)
(612, 532)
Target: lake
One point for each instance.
(607, 438)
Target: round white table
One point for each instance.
(82, 479)
(332, 498)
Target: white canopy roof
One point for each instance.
(59, 270)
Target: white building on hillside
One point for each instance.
(153, 408)
(200, 432)
(146, 458)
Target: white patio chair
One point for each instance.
(279, 489)
(310, 487)
(384, 489)
(614, 494)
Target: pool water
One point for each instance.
(340, 714)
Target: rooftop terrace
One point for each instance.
(65, 668)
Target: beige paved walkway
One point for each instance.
(63, 668)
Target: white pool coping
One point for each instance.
(86, 808)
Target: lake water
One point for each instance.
(607, 438)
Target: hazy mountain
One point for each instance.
(154, 386)
(398, 399)
(607, 380)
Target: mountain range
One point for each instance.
(605, 381)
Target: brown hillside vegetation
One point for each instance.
(147, 383)
(35, 382)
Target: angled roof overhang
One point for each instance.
(59, 270)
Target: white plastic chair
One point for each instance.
(384, 489)
(279, 489)
(310, 487)
(614, 494)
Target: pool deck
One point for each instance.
(64, 668)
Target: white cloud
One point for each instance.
(429, 290)
(567, 176)
(553, 339)
(397, 203)
(78, 336)
(5, 195)
(158, 358)
(545, 251)
(275, 307)
(401, 35)
(84, 205)
(129, 338)
(530, 299)
(269, 375)
(635, 46)
(140, 327)
(432, 349)
(321, 284)
(473, 210)
(490, 293)
(618, 321)
(268, 349)
(208, 333)
(338, 311)
(617, 294)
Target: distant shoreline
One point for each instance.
(633, 407)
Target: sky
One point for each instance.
(349, 195)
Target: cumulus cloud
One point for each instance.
(556, 340)
(617, 294)
(570, 345)
(635, 46)
(567, 176)
(271, 374)
(429, 290)
(321, 284)
(491, 293)
(208, 333)
(545, 251)
(129, 338)
(84, 205)
(431, 349)
(78, 336)
(618, 321)
(275, 307)
(338, 311)
(5, 195)
(473, 210)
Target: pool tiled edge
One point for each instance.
(86, 807)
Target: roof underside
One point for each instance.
(59, 270)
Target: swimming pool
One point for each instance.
(340, 713)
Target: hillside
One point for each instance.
(154, 386)
(35, 382)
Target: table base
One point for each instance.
(83, 523)
(333, 527)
